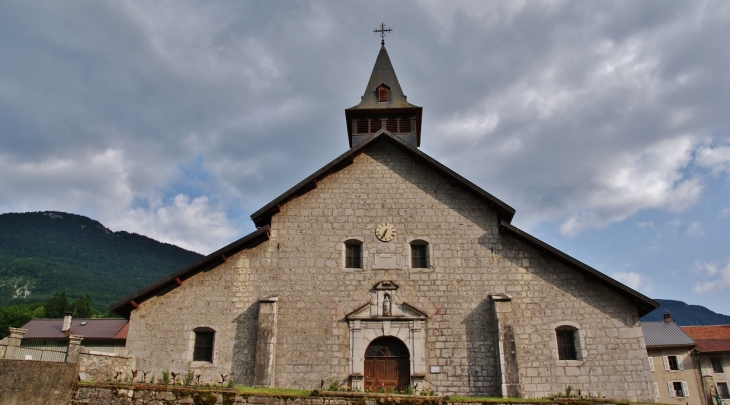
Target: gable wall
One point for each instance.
(161, 333)
(302, 264)
(470, 261)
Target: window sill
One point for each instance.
(201, 364)
(569, 363)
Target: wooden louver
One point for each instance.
(405, 125)
(391, 125)
(362, 126)
(382, 93)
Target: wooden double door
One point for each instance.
(387, 365)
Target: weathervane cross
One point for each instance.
(382, 32)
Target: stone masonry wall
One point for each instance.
(103, 367)
(303, 264)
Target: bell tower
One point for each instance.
(384, 106)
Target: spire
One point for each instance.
(383, 106)
(383, 74)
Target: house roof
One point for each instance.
(712, 338)
(263, 216)
(125, 306)
(89, 328)
(383, 73)
(644, 303)
(665, 334)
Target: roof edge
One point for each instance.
(659, 347)
(644, 303)
(125, 306)
(263, 216)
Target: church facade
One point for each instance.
(386, 269)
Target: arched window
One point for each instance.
(353, 254)
(419, 254)
(567, 336)
(203, 347)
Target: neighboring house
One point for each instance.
(712, 354)
(46, 336)
(671, 363)
(386, 269)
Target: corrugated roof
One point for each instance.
(665, 334)
(89, 328)
(383, 73)
(712, 338)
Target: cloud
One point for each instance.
(717, 272)
(716, 159)
(723, 213)
(87, 181)
(645, 224)
(631, 182)
(198, 224)
(695, 230)
(634, 280)
(578, 116)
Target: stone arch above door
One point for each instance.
(386, 315)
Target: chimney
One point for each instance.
(67, 321)
(667, 317)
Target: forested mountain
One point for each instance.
(42, 252)
(686, 314)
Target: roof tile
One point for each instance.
(713, 338)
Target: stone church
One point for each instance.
(386, 269)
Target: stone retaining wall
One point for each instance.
(130, 394)
(36, 382)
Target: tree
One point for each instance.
(81, 307)
(16, 316)
(57, 306)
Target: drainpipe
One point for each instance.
(698, 364)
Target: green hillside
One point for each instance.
(686, 314)
(41, 252)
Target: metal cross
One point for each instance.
(382, 32)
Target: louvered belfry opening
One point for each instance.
(405, 125)
(391, 125)
(375, 125)
(362, 126)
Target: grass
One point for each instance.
(272, 391)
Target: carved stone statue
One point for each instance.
(386, 305)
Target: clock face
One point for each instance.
(385, 231)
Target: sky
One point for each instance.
(606, 125)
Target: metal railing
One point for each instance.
(42, 350)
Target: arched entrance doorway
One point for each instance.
(387, 364)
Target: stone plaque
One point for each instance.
(385, 261)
